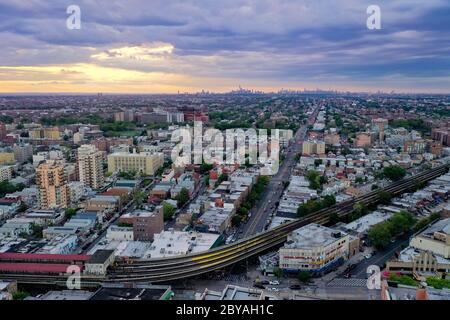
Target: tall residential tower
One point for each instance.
(53, 190)
(90, 166)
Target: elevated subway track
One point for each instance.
(168, 269)
(182, 267)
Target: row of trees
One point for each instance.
(426, 221)
(7, 187)
(394, 173)
(129, 175)
(302, 276)
(252, 198)
(411, 124)
(315, 205)
(381, 234)
(169, 210)
(316, 180)
(359, 210)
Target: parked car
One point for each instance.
(295, 287)
(274, 282)
(259, 286)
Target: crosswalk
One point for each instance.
(352, 282)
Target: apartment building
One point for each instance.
(144, 162)
(363, 139)
(6, 157)
(5, 173)
(313, 147)
(90, 166)
(51, 133)
(53, 189)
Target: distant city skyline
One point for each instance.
(139, 47)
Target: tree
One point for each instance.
(400, 222)
(7, 187)
(236, 220)
(125, 225)
(394, 173)
(329, 200)
(70, 212)
(129, 175)
(426, 221)
(379, 236)
(23, 207)
(205, 167)
(366, 150)
(264, 180)
(314, 179)
(359, 209)
(334, 218)
(304, 276)
(243, 211)
(278, 272)
(20, 295)
(222, 177)
(139, 198)
(182, 197)
(384, 197)
(168, 211)
(193, 219)
(37, 230)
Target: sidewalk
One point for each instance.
(353, 260)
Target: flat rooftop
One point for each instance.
(312, 235)
(136, 293)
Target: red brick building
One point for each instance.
(145, 223)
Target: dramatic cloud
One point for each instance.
(189, 45)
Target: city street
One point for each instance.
(275, 188)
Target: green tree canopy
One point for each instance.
(394, 173)
(304, 276)
(168, 211)
(385, 197)
(182, 197)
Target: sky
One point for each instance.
(153, 46)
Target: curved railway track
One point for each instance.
(167, 269)
(181, 267)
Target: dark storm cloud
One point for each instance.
(248, 39)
